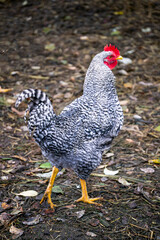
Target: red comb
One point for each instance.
(112, 49)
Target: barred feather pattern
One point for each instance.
(77, 137)
(40, 108)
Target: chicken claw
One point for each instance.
(47, 195)
(90, 200)
(48, 191)
(85, 198)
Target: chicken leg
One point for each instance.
(85, 198)
(48, 191)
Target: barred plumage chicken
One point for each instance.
(77, 137)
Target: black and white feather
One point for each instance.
(77, 137)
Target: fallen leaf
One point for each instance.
(28, 193)
(109, 172)
(146, 30)
(94, 222)
(50, 47)
(45, 165)
(80, 213)
(17, 211)
(44, 175)
(91, 234)
(10, 100)
(146, 84)
(70, 206)
(155, 161)
(137, 117)
(46, 30)
(84, 38)
(35, 67)
(17, 232)
(4, 205)
(147, 170)
(124, 102)
(8, 170)
(115, 33)
(124, 182)
(157, 129)
(4, 90)
(118, 13)
(4, 218)
(57, 189)
(108, 155)
(128, 85)
(32, 220)
(130, 141)
(64, 61)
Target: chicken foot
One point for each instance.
(48, 191)
(85, 198)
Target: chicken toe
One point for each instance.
(85, 198)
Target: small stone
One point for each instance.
(137, 117)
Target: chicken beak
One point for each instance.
(119, 58)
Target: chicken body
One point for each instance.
(77, 137)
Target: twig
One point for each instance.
(125, 177)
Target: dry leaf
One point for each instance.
(33, 220)
(124, 102)
(4, 218)
(29, 193)
(128, 85)
(4, 205)
(84, 38)
(147, 170)
(70, 206)
(16, 232)
(44, 175)
(123, 182)
(91, 234)
(157, 161)
(50, 47)
(109, 172)
(80, 213)
(108, 155)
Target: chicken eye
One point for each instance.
(111, 56)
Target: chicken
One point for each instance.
(76, 138)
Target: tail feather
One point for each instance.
(36, 95)
(40, 109)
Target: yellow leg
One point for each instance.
(85, 198)
(48, 191)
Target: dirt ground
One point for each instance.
(49, 45)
